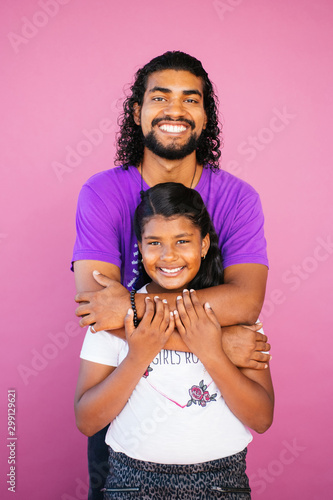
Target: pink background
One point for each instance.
(64, 67)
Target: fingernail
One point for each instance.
(208, 305)
(192, 290)
(171, 313)
(165, 301)
(96, 272)
(266, 366)
(147, 298)
(270, 357)
(156, 297)
(129, 311)
(185, 290)
(175, 312)
(179, 297)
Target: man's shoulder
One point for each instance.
(221, 181)
(112, 176)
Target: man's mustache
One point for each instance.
(156, 121)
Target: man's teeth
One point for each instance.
(174, 270)
(173, 128)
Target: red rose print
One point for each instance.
(206, 396)
(196, 392)
(199, 395)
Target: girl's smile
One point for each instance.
(172, 249)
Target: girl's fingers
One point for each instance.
(128, 322)
(182, 312)
(166, 316)
(196, 304)
(211, 315)
(149, 311)
(171, 325)
(179, 325)
(189, 306)
(159, 313)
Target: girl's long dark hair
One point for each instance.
(172, 199)
(130, 143)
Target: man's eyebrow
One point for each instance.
(168, 91)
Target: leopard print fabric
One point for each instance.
(223, 479)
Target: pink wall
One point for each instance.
(64, 66)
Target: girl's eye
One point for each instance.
(154, 243)
(183, 241)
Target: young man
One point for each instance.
(169, 133)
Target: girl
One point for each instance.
(178, 419)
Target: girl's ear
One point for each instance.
(136, 113)
(205, 244)
(140, 247)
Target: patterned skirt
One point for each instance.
(224, 478)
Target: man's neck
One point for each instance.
(155, 169)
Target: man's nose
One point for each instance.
(175, 108)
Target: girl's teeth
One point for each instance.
(175, 270)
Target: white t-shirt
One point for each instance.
(175, 415)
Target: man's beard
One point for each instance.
(173, 151)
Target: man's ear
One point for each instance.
(205, 122)
(137, 113)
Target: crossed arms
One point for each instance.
(237, 301)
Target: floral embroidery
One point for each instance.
(146, 373)
(199, 395)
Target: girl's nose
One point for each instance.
(168, 253)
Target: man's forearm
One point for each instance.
(231, 304)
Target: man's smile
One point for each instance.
(173, 129)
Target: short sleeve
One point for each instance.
(102, 347)
(96, 234)
(245, 241)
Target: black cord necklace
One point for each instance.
(141, 191)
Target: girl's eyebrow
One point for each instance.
(182, 235)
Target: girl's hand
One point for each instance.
(155, 328)
(198, 326)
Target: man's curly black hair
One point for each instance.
(130, 144)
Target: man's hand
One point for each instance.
(106, 308)
(244, 345)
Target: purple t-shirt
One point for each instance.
(106, 206)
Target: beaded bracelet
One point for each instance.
(135, 318)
